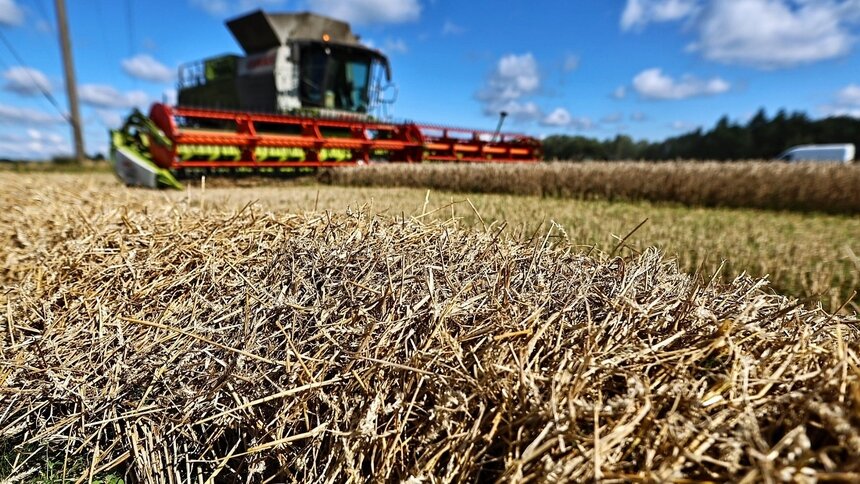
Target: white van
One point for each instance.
(842, 153)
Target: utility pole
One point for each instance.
(71, 85)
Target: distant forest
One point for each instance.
(760, 138)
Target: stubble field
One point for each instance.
(808, 255)
(305, 333)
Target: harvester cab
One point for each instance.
(293, 63)
(306, 95)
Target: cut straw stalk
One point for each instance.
(176, 344)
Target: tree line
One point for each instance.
(759, 138)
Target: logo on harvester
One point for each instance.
(258, 63)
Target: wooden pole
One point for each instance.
(71, 85)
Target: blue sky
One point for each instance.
(647, 68)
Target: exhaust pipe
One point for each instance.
(502, 116)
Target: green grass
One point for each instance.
(48, 167)
(45, 469)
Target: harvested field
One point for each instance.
(808, 255)
(826, 188)
(170, 341)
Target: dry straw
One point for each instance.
(168, 345)
(777, 186)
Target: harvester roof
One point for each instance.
(259, 31)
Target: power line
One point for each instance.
(50, 97)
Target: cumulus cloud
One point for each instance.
(561, 118)
(847, 103)
(169, 96)
(774, 33)
(364, 12)
(212, 7)
(519, 111)
(514, 78)
(765, 34)
(395, 46)
(612, 118)
(16, 115)
(109, 118)
(653, 84)
(842, 111)
(638, 116)
(620, 92)
(33, 144)
(26, 81)
(145, 67)
(220, 8)
(450, 28)
(849, 95)
(10, 13)
(108, 97)
(682, 126)
(639, 13)
(571, 63)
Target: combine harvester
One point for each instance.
(306, 95)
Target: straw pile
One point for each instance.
(175, 345)
(772, 186)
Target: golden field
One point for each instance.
(816, 187)
(304, 333)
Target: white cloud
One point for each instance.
(638, 116)
(37, 135)
(561, 118)
(517, 110)
(104, 96)
(169, 96)
(221, 8)
(849, 95)
(12, 114)
(571, 63)
(26, 81)
(10, 13)
(514, 77)
(842, 111)
(847, 103)
(110, 119)
(33, 144)
(653, 84)
(620, 92)
(682, 126)
(145, 67)
(450, 28)
(772, 34)
(766, 34)
(212, 7)
(612, 118)
(45, 27)
(363, 12)
(395, 46)
(639, 13)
